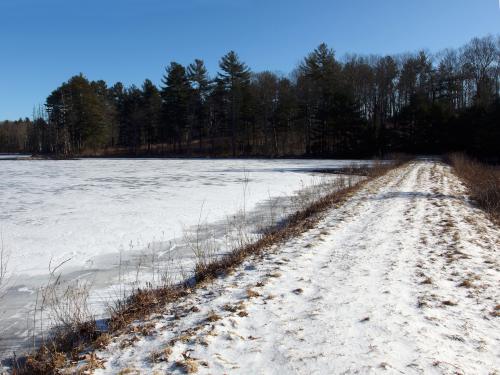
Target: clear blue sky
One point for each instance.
(44, 42)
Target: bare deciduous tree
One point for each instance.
(478, 56)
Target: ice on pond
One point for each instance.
(78, 209)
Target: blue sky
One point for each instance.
(44, 42)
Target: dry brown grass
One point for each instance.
(466, 284)
(252, 293)
(188, 365)
(230, 308)
(57, 353)
(102, 341)
(213, 317)
(495, 312)
(167, 352)
(129, 371)
(426, 281)
(482, 181)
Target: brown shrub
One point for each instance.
(482, 181)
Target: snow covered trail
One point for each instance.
(402, 278)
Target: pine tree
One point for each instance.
(132, 119)
(198, 76)
(235, 76)
(151, 107)
(77, 117)
(320, 74)
(175, 94)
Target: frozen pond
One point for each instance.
(88, 211)
(82, 208)
(14, 156)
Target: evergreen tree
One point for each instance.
(116, 96)
(77, 117)
(235, 77)
(198, 76)
(320, 81)
(176, 94)
(151, 106)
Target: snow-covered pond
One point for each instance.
(78, 209)
(89, 212)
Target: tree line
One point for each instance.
(14, 135)
(327, 107)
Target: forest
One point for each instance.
(356, 106)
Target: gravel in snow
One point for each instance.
(402, 278)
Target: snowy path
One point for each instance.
(402, 278)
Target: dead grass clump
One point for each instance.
(230, 308)
(426, 281)
(213, 317)
(466, 284)
(156, 356)
(146, 329)
(167, 352)
(44, 362)
(102, 341)
(252, 293)
(143, 302)
(383, 365)
(184, 338)
(129, 371)
(58, 350)
(188, 365)
(496, 312)
(421, 302)
(128, 342)
(447, 223)
(92, 362)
